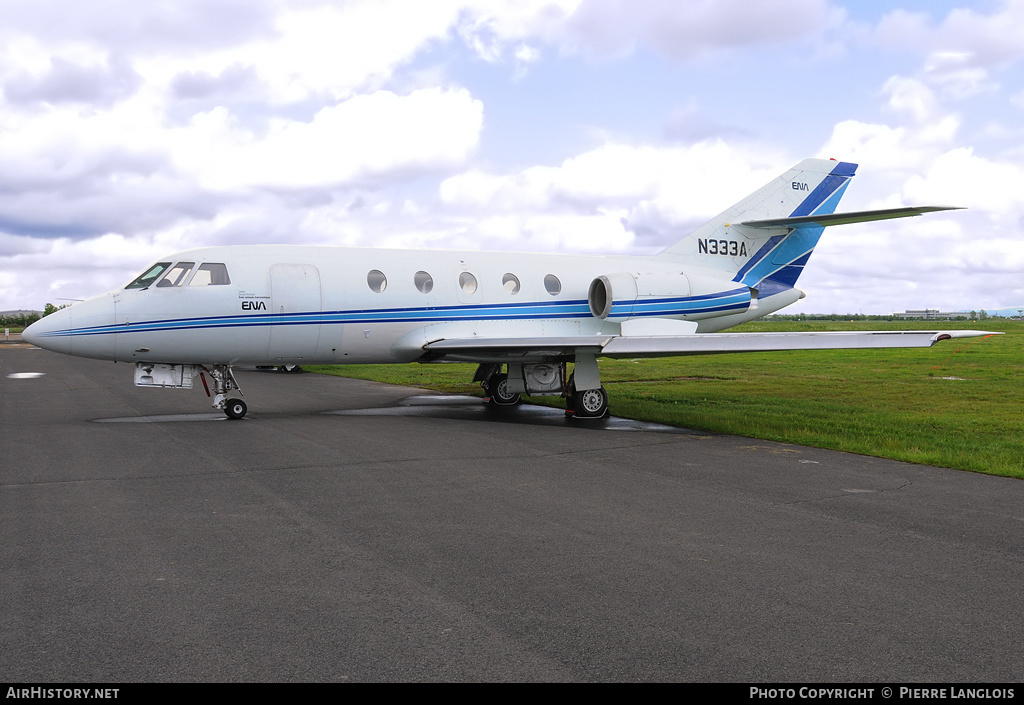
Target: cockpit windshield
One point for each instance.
(211, 273)
(182, 273)
(176, 274)
(145, 279)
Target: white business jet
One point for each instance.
(521, 317)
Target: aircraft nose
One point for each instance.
(85, 329)
(29, 335)
(47, 332)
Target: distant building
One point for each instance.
(931, 314)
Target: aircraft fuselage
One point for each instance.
(325, 305)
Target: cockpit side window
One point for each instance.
(145, 279)
(210, 274)
(176, 274)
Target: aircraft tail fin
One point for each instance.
(765, 240)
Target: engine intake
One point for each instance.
(623, 295)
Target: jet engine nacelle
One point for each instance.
(621, 295)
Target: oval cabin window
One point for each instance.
(468, 283)
(377, 281)
(511, 283)
(424, 282)
(552, 284)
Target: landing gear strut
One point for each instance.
(223, 382)
(585, 398)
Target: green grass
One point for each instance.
(888, 403)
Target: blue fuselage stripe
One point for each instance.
(576, 309)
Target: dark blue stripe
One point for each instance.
(846, 169)
(674, 299)
(742, 306)
(575, 309)
(829, 184)
(759, 255)
(786, 276)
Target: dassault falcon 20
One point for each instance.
(521, 317)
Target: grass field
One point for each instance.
(959, 404)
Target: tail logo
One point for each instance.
(800, 186)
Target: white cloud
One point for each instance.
(953, 73)
(985, 38)
(682, 30)
(961, 52)
(937, 261)
(612, 29)
(368, 136)
(695, 180)
(123, 170)
(335, 50)
(945, 260)
(73, 269)
(490, 28)
(901, 149)
(141, 27)
(959, 177)
(911, 97)
(990, 38)
(64, 81)
(613, 198)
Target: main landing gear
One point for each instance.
(496, 389)
(588, 404)
(223, 382)
(587, 400)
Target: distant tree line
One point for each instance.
(979, 315)
(828, 317)
(23, 319)
(18, 320)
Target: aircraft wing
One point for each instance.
(484, 349)
(845, 218)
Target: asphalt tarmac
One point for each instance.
(353, 531)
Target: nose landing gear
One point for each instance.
(223, 382)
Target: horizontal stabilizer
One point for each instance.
(845, 218)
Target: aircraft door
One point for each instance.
(295, 298)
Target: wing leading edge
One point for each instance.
(615, 346)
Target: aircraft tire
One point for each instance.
(497, 389)
(590, 403)
(235, 408)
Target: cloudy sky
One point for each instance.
(130, 130)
